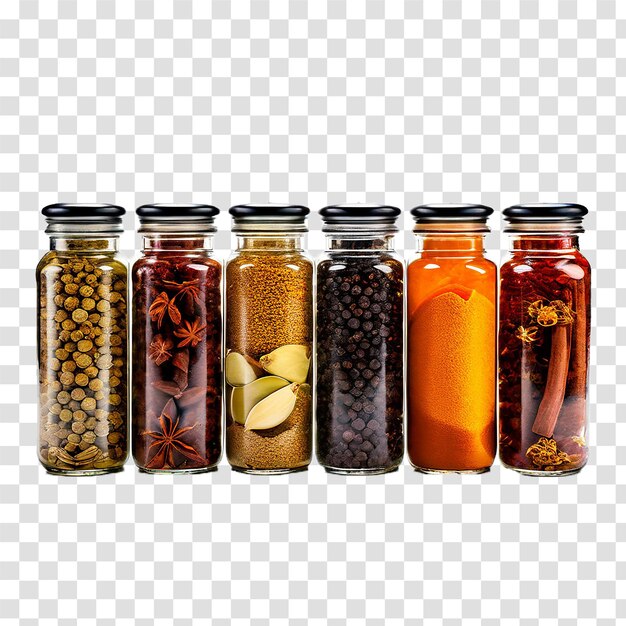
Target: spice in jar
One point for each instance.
(545, 311)
(451, 342)
(359, 342)
(268, 341)
(82, 318)
(177, 349)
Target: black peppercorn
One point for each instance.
(360, 362)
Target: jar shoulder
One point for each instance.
(154, 262)
(529, 262)
(250, 261)
(357, 255)
(478, 264)
(54, 262)
(49, 260)
(337, 262)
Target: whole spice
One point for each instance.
(360, 362)
(83, 360)
(288, 445)
(554, 391)
(268, 338)
(177, 359)
(545, 455)
(543, 383)
(245, 397)
(170, 440)
(573, 417)
(291, 362)
(272, 410)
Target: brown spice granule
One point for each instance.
(269, 302)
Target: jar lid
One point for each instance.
(545, 212)
(545, 218)
(444, 217)
(360, 218)
(78, 217)
(360, 214)
(85, 212)
(458, 212)
(247, 217)
(164, 212)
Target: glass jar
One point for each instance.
(545, 323)
(82, 342)
(360, 311)
(177, 341)
(452, 292)
(269, 331)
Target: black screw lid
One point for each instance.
(545, 212)
(175, 212)
(348, 214)
(269, 217)
(451, 212)
(269, 212)
(97, 213)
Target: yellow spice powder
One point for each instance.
(452, 382)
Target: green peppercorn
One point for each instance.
(83, 313)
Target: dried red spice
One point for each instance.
(162, 305)
(177, 361)
(191, 333)
(544, 348)
(169, 441)
(188, 289)
(159, 350)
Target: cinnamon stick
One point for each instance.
(554, 392)
(574, 413)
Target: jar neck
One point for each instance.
(292, 242)
(75, 243)
(433, 244)
(159, 242)
(554, 243)
(359, 242)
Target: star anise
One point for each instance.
(187, 289)
(192, 333)
(159, 350)
(170, 440)
(161, 305)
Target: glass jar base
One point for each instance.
(269, 472)
(373, 471)
(89, 472)
(535, 473)
(429, 470)
(195, 470)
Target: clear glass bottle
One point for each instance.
(177, 341)
(451, 312)
(545, 324)
(269, 332)
(360, 311)
(82, 342)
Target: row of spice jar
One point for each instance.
(182, 377)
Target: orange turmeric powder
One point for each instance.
(452, 357)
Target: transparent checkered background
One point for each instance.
(311, 102)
